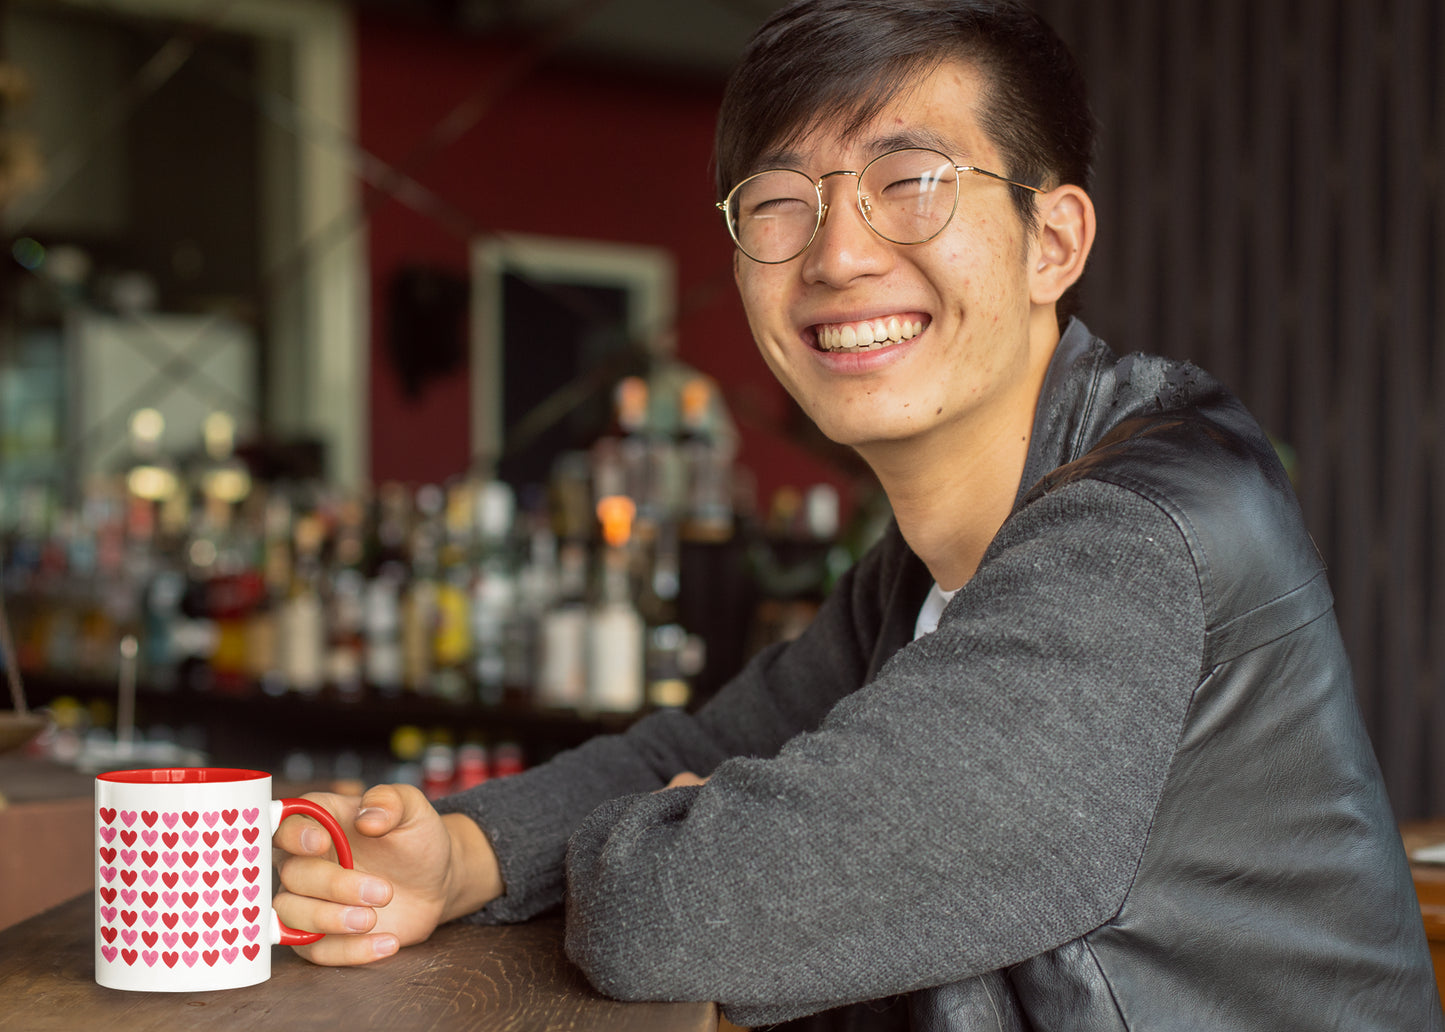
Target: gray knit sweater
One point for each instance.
(882, 815)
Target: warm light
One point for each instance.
(153, 483)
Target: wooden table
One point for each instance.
(465, 977)
(1430, 887)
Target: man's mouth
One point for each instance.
(868, 335)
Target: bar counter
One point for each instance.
(514, 977)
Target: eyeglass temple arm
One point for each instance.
(994, 175)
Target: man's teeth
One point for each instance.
(867, 336)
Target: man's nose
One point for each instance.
(845, 246)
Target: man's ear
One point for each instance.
(1065, 237)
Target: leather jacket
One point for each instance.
(1273, 892)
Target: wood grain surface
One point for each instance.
(510, 979)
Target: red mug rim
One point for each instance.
(182, 776)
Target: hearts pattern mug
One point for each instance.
(183, 877)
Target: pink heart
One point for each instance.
(212, 937)
(129, 855)
(170, 819)
(211, 818)
(169, 859)
(251, 853)
(127, 817)
(169, 898)
(129, 935)
(109, 953)
(211, 896)
(251, 892)
(108, 913)
(129, 896)
(230, 955)
(251, 931)
(250, 814)
(189, 917)
(170, 939)
(190, 876)
(190, 957)
(149, 876)
(230, 914)
(230, 875)
(149, 917)
(150, 957)
(106, 834)
(107, 873)
(190, 837)
(149, 837)
(210, 856)
(229, 834)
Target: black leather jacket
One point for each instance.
(1273, 892)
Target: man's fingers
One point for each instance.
(349, 950)
(329, 886)
(387, 807)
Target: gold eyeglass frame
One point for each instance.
(863, 206)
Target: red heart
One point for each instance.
(170, 878)
(229, 895)
(108, 933)
(128, 877)
(190, 938)
(128, 916)
(190, 898)
(107, 814)
(228, 856)
(128, 837)
(149, 857)
(229, 816)
(190, 858)
(211, 838)
(108, 894)
(170, 919)
(251, 913)
(129, 956)
(230, 935)
(251, 873)
(170, 838)
(211, 956)
(150, 898)
(210, 917)
(150, 938)
(190, 817)
(249, 834)
(150, 817)
(251, 951)
(107, 854)
(212, 877)
(170, 959)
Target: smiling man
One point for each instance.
(1074, 747)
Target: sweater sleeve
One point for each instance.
(985, 798)
(785, 690)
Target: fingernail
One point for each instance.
(357, 919)
(384, 945)
(373, 892)
(314, 840)
(370, 812)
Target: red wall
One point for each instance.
(561, 150)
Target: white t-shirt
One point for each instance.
(931, 610)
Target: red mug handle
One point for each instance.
(306, 808)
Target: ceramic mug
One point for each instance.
(183, 877)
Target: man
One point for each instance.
(1074, 747)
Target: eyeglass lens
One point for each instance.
(907, 196)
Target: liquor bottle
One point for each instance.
(344, 597)
(382, 624)
(674, 657)
(494, 589)
(263, 646)
(302, 637)
(562, 634)
(419, 600)
(708, 511)
(615, 630)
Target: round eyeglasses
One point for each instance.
(906, 196)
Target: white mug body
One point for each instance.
(183, 879)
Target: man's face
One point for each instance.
(966, 291)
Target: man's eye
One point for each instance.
(776, 207)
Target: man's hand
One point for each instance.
(415, 869)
